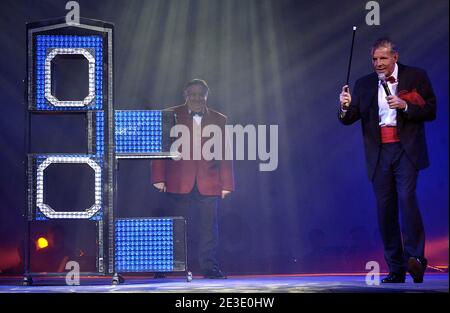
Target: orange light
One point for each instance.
(41, 243)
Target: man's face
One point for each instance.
(196, 97)
(383, 60)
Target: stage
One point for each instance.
(302, 283)
(164, 136)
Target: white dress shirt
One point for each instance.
(197, 119)
(387, 116)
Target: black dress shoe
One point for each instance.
(394, 278)
(416, 268)
(214, 274)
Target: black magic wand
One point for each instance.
(350, 60)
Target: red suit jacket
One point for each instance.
(180, 176)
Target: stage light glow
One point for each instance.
(41, 243)
(144, 245)
(138, 131)
(49, 46)
(50, 213)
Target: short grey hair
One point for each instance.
(384, 42)
(198, 82)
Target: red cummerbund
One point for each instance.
(389, 134)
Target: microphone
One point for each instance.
(382, 79)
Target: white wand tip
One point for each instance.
(354, 27)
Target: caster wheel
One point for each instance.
(117, 279)
(27, 281)
(189, 277)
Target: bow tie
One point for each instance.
(192, 113)
(391, 79)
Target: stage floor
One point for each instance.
(331, 283)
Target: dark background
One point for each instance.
(267, 62)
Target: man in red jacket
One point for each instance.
(194, 185)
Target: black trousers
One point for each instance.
(394, 184)
(202, 234)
